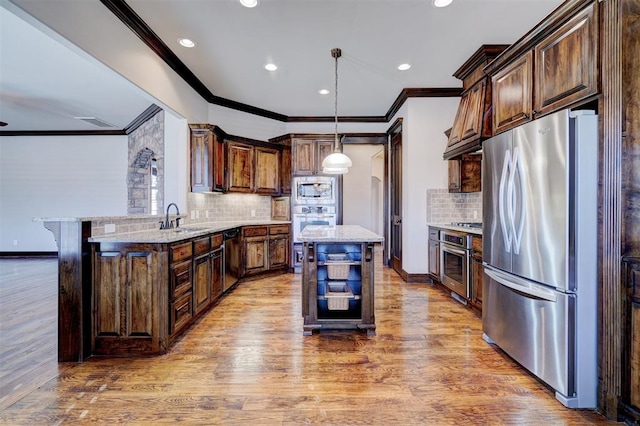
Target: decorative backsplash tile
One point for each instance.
(444, 207)
(223, 207)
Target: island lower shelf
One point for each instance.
(337, 286)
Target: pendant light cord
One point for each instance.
(336, 53)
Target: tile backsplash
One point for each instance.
(224, 207)
(444, 207)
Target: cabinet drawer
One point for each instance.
(254, 231)
(180, 252)
(181, 312)
(180, 279)
(434, 234)
(279, 229)
(216, 241)
(201, 245)
(476, 243)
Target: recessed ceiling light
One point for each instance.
(404, 67)
(186, 42)
(249, 3)
(442, 3)
(270, 67)
(323, 91)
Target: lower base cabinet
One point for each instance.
(145, 295)
(337, 287)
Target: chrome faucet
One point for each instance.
(169, 224)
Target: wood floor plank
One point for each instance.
(247, 362)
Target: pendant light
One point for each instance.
(336, 163)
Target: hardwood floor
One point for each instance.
(247, 362)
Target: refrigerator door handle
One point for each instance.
(506, 234)
(517, 192)
(520, 285)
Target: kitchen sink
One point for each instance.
(186, 230)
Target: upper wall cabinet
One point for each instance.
(552, 67)
(473, 122)
(308, 155)
(267, 171)
(240, 170)
(207, 159)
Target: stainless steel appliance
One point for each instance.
(314, 190)
(304, 215)
(454, 262)
(231, 257)
(540, 184)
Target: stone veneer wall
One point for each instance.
(148, 137)
(444, 207)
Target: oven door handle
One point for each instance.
(447, 249)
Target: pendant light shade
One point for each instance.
(336, 163)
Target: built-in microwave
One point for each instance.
(314, 190)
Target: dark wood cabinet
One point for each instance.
(512, 94)
(630, 395)
(240, 167)
(285, 170)
(126, 297)
(207, 159)
(558, 71)
(308, 155)
(267, 171)
(465, 173)
(207, 271)
(476, 273)
(565, 63)
(473, 120)
(265, 248)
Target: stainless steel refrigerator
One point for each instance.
(540, 183)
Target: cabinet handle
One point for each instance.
(369, 254)
(311, 250)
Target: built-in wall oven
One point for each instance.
(454, 262)
(309, 215)
(314, 190)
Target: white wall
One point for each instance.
(58, 177)
(356, 185)
(176, 164)
(423, 142)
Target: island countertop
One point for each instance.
(339, 233)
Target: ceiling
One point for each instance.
(45, 81)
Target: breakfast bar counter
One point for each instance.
(338, 278)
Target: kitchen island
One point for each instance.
(134, 293)
(338, 278)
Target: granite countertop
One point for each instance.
(339, 233)
(475, 231)
(184, 232)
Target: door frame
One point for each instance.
(395, 129)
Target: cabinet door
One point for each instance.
(455, 185)
(218, 164)
(278, 251)
(201, 282)
(201, 160)
(566, 63)
(240, 176)
(323, 148)
(434, 259)
(109, 289)
(303, 157)
(472, 124)
(267, 171)
(476, 280)
(255, 255)
(285, 171)
(512, 94)
(217, 273)
(455, 137)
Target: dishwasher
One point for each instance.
(232, 257)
